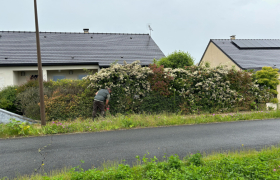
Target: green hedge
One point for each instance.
(156, 103)
(138, 89)
(8, 99)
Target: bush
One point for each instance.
(203, 89)
(8, 99)
(242, 82)
(60, 106)
(177, 59)
(152, 89)
(56, 91)
(196, 159)
(129, 84)
(29, 102)
(274, 100)
(27, 85)
(268, 77)
(155, 103)
(68, 86)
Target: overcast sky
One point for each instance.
(185, 25)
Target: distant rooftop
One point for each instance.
(58, 48)
(251, 53)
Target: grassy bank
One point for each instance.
(15, 129)
(244, 164)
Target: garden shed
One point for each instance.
(243, 54)
(65, 55)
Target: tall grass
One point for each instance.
(15, 129)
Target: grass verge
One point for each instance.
(244, 164)
(15, 128)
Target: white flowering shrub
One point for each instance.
(129, 83)
(202, 89)
(154, 89)
(216, 89)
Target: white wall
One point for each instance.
(12, 75)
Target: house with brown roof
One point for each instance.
(65, 55)
(243, 54)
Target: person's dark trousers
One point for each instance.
(100, 105)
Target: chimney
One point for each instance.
(232, 37)
(86, 30)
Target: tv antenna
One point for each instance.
(150, 28)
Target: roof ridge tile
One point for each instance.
(56, 32)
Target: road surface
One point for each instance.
(25, 155)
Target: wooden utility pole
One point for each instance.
(41, 86)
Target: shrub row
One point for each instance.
(138, 89)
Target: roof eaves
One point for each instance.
(157, 45)
(48, 64)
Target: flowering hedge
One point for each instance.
(150, 89)
(129, 83)
(200, 88)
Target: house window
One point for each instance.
(55, 78)
(81, 76)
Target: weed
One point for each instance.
(15, 127)
(196, 159)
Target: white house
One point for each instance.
(243, 54)
(65, 55)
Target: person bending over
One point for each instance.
(102, 96)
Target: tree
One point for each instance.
(268, 77)
(177, 59)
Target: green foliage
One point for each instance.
(237, 165)
(63, 98)
(195, 159)
(262, 165)
(28, 84)
(203, 89)
(207, 64)
(29, 101)
(155, 103)
(8, 99)
(134, 121)
(68, 86)
(242, 82)
(69, 100)
(127, 122)
(174, 162)
(177, 59)
(274, 100)
(15, 127)
(138, 89)
(128, 82)
(60, 106)
(268, 77)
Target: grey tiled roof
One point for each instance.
(19, 48)
(249, 58)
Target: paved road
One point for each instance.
(22, 156)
